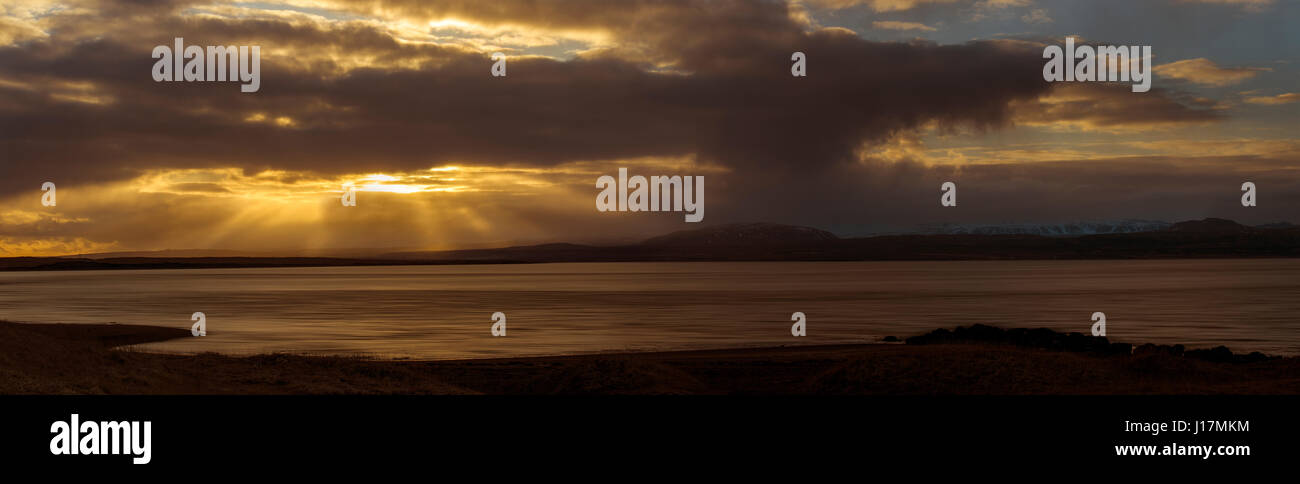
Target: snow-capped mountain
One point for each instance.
(1052, 230)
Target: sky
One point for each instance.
(396, 98)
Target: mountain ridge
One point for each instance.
(1206, 238)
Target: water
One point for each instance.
(445, 311)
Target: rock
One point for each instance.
(1217, 354)
(940, 335)
(1074, 342)
(1119, 349)
(1254, 357)
(1158, 350)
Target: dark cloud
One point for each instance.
(736, 104)
(708, 79)
(1112, 106)
(878, 197)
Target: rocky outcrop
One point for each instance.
(1077, 342)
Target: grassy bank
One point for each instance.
(97, 359)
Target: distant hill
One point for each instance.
(1201, 238)
(170, 253)
(742, 235)
(1278, 225)
(85, 264)
(210, 253)
(1208, 238)
(1211, 226)
(526, 252)
(1072, 229)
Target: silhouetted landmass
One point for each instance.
(1068, 229)
(80, 359)
(82, 264)
(1078, 342)
(1209, 238)
(743, 235)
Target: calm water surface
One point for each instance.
(445, 311)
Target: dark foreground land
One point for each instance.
(97, 359)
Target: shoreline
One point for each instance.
(41, 358)
(1209, 238)
(69, 264)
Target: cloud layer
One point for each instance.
(396, 88)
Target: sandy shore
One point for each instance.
(97, 359)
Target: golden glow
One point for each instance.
(455, 23)
(28, 247)
(439, 207)
(66, 91)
